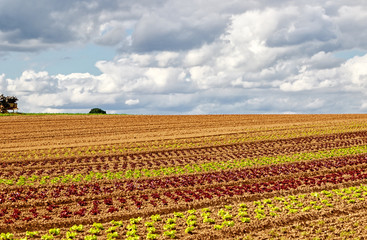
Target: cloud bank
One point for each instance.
(194, 57)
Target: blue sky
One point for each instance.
(185, 57)
(350, 53)
(57, 61)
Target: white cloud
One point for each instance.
(315, 104)
(197, 57)
(111, 33)
(166, 59)
(204, 57)
(31, 81)
(350, 76)
(132, 102)
(356, 70)
(3, 83)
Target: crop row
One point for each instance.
(265, 134)
(119, 201)
(214, 218)
(353, 226)
(203, 159)
(179, 157)
(171, 182)
(167, 182)
(42, 176)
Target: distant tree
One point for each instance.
(8, 103)
(97, 111)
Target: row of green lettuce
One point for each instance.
(187, 169)
(190, 221)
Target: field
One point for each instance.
(183, 177)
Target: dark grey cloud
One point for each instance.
(156, 25)
(43, 24)
(26, 20)
(166, 24)
(296, 28)
(156, 33)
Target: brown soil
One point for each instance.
(155, 141)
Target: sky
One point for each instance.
(185, 57)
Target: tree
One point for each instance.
(8, 103)
(97, 111)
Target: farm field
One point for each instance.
(183, 177)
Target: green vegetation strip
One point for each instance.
(190, 168)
